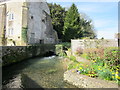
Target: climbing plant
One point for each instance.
(24, 34)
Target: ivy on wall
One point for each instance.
(24, 34)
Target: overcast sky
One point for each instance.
(103, 14)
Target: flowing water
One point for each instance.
(36, 73)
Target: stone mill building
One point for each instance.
(25, 23)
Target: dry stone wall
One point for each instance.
(92, 43)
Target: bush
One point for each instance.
(92, 53)
(66, 45)
(103, 56)
(105, 74)
(60, 51)
(112, 58)
(61, 48)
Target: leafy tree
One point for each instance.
(72, 24)
(58, 15)
(88, 29)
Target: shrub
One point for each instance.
(61, 48)
(92, 53)
(60, 51)
(105, 74)
(103, 56)
(112, 57)
(66, 45)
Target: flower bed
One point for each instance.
(104, 64)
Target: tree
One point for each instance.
(57, 14)
(88, 29)
(72, 24)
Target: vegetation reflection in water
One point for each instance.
(40, 73)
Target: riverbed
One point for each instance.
(39, 72)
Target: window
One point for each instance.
(10, 31)
(11, 16)
(41, 41)
(31, 17)
(44, 16)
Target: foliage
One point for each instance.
(73, 58)
(59, 50)
(24, 34)
(88, 29)
(94, 53)
(112, 57)
(106, 74)
(104, 63)
(95, 70)
(77, 27)
(84, 55)
(107, 56)
(72, 65)
(57, 14)
(66, 45)
(71, 24)
(62, 47)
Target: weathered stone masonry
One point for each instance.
(26, 23)
(13, 54)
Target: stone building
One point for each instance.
(25, 23)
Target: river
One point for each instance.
(44, 72)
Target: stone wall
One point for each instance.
(40, 28)
(13, 54)
(92, 43)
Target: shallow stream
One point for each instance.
(44, 72)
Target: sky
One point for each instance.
(103, 14)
